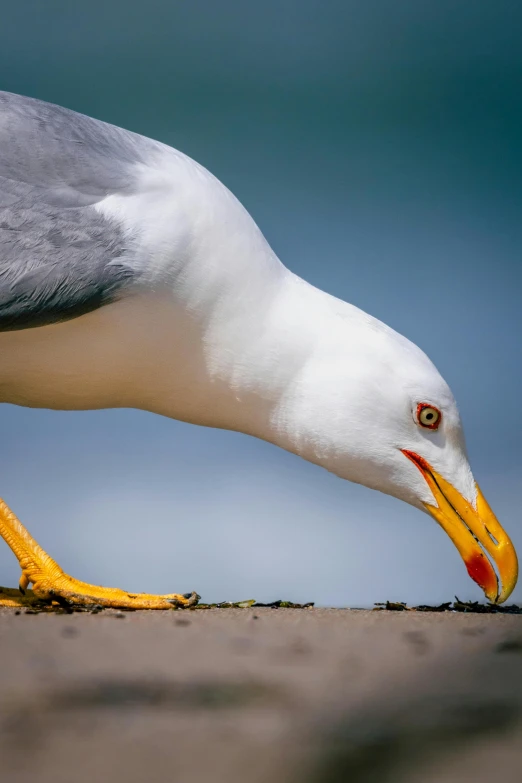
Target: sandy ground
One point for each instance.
(255, 695)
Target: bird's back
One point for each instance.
(59, 256)
(173, 280)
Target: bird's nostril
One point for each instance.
(490, 534)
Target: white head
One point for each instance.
(369, 406)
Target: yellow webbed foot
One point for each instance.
(52, 585)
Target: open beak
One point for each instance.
(474, 532)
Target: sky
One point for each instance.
(377, 145)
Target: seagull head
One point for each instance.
(370, 406)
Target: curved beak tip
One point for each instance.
(475, 531)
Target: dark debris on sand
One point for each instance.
(252, 603)
(471, 607)
(64, 607)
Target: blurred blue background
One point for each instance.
(378, 146)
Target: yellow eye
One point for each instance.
(428, 416)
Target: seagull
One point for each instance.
(131, 277)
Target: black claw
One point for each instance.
(192, 599)
(21, 589)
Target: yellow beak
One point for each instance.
(472, 531)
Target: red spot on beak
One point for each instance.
(480, 570)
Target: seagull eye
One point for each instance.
(428, 416)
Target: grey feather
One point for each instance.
(59, 257)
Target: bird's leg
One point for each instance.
(52, 585)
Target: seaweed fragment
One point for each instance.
(286, 605)
(227, 604)
(440, 608)
(251, 603)
(478, 608)
(469, 607)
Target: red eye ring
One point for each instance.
(428, 416)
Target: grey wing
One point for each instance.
(59, 256)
